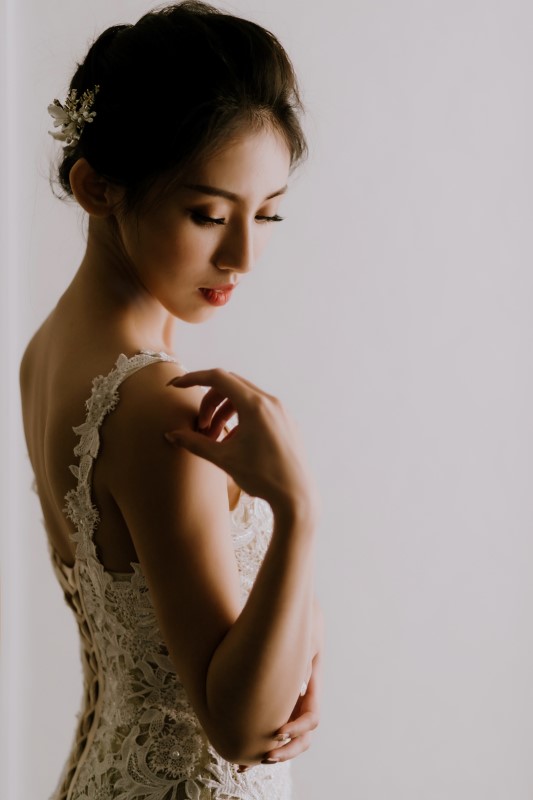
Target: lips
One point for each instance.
(217, 297)
(226, 287)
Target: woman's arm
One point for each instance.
(241, 667)
(258, 669)
(295, 735)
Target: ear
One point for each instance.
(94, 194)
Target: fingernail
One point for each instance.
(173, 380)
(172, 437)
(269, 761)
(283, 737)
(282, 742)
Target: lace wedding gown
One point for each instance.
(138, 737)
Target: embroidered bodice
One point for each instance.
(138, 737)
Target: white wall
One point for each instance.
(393, 316)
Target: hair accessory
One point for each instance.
(73, 115)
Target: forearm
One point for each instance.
(256, 672)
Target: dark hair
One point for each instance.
(174, 88)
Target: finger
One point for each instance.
(209, 418)
(310, 699)
(231, 433)
(315, 681)
(208, 405)
(306, 714)
(199, 444)
(212, 401)
(251, 385)
(305, 684)
(306, 722)
(291, 750)
(222, 415)
(308, 694)
(293, 737)
(221, 379)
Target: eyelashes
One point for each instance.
(208, 222)
(274, 218)
(204, 221)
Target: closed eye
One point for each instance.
(205, 221)
(275, 218)
(202, 219)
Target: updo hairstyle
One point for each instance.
(174, 88)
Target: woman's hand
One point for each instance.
(304, 719)
(263, 453)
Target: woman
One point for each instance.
(184, 544)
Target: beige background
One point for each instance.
(392, 314)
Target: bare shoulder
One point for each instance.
(139, 457)
(145, 393)
(26, 367)
(32, 380)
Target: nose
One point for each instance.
(236, 250)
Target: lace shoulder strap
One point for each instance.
(104, 398)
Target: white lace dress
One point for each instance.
(138, 737)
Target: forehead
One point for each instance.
(253, 165)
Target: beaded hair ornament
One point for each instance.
(72, 116)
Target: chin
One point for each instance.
(194, 316)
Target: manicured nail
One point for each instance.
(269, 761)
(283, 737)
(282, 742)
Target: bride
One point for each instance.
(180, 512)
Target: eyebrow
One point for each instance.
(215, 192)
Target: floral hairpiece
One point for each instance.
(73, 115)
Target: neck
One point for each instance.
(107, 297)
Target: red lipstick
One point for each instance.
(218, 295)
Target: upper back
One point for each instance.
(56, 376)
(53, 389)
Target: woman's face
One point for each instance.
(211, 229)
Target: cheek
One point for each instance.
(161, 241)
(170, 246)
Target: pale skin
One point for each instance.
(169, 509)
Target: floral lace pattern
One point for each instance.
(138, 736)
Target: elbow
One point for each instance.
(235, 756)
(243, 728)
(232, 749)
(239, 746)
